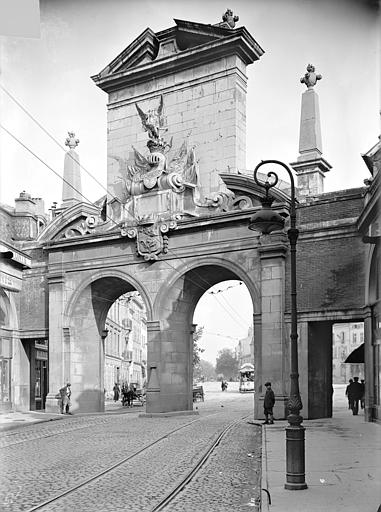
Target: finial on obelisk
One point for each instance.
(310, 78)
(71, 141)
(229, 18)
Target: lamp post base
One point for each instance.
(295, 487)
(295, 470)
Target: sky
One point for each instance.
(49, 72)
(225, 312)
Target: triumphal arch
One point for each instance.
(174, 223)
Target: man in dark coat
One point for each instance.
(268, 404)
(349, 394)
(356, 391)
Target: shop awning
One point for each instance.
(357, 356)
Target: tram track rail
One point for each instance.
(109, 469)
(174, 492)
(196, 468)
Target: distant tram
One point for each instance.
(246, 378)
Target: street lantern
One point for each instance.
(266, 221)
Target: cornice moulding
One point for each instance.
(239, 43)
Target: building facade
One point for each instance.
(245, 349)
(346, 338)
(126, 343)
(23, 352)
(175, 223)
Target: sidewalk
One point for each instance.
(9, 420)
(342, 459)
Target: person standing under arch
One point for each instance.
(65, 394)
(348, 393)
(357, 391)
(116, 392)
(268, 404)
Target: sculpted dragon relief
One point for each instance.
(157, 170)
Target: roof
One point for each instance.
(184, 45)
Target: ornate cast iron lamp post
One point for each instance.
(266, 221)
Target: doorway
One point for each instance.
(39, 384)
(329, 345)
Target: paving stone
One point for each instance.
(44, 460)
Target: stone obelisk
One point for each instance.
(310, 166)
(72, 188)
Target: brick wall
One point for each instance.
(330, 274)
(330, 270)
(332, 206)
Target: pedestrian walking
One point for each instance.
(65, 394)
(356, 391)
(124, 393)
(349, 394)
(130, 395)
(116, 392)
(268, 404)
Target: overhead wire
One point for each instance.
(229, 305)
(89, 201)
(19, 104)
(49, 167)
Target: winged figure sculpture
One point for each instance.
(153, 121)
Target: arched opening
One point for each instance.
(125, 350)
(225, 314)
(170, 346)
(85, 344)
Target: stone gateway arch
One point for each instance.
(175, 222)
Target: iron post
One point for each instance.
(295, 439)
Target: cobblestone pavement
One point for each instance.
(39, 462)
(231, 479)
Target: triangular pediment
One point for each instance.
(143, 49)
(150, 46)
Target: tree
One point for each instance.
(227, 364)
(208, 372)
(196, 352)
